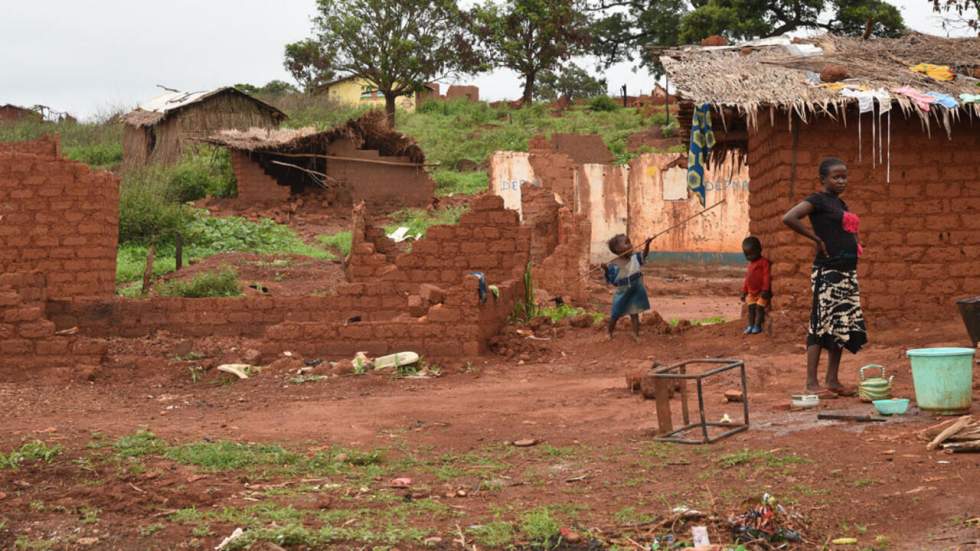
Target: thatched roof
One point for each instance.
(164, 105)
(370, 131)
(782, 73)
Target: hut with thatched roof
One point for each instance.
(903, 113)
(361, 160)
(159, 130)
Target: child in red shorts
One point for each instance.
(757, 289)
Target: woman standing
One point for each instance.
(836, 320)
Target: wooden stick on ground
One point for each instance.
(973, 446)
(929, 433)
(950, 431)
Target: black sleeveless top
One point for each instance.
(827, 221)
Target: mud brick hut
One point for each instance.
(913, 162)
(362, 160)
(13, 114)
(159, 130)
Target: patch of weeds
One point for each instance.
(187, 515)
(190, 357)
(554, 451)
(771, 459)
(225, 456)
(150, 529)
(90, 515)
(492, 535)
(629, 516)
(451, 182)
(25, 543)
(201, 531)
(219, 283)
(37, 506)
(882, 542)
(540, 527)
(138, 444)
(418, 221)
(197, 372)
(864, 482)
(29, 452)
(558, 313)
(339, 242)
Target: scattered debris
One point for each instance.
(401, 482)
(87, 541)
(242, 371)
(844, 541)
(734, 395)
(767, 521)
(569, 535)
(361, 363)
(964, 434)
(699, 536)
(237, 533)
(401, 234)
(69, 331)
(399, 359)
(851, 417)
(525, 442)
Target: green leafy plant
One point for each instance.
(493, 535)
(340, 242)
(138, 444)
(35, 450)
(220, 283)
(540, 527)
(603, 103)
(526, 308)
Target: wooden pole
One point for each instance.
(151, 254)
(179, 251)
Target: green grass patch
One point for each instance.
(629, 515)
(492, 535)
(138, 444)
(558, 313)
(227, 456)
(339, 242)
(451, 182)
(540, 527)
(99, 155)
(218, 283)
(770, 459)
(418, 221)
(98, 144)
(29, 452)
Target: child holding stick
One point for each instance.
(624, 272)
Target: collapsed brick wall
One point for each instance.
(583, 148)
(557, 172)
(458, 91)
(559, 246)
(48, 145)
(921, 231)
(60, 218)
(27, 337)
(255, 187)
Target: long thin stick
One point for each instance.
(675, 226)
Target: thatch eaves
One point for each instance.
(165, 105)
(779, 73)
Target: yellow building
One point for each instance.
(356, 91)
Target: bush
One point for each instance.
(603, 103)
(148, 211)
(103, 155)
(202, 173)
(221, 283)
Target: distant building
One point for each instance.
(159, 130)
(13, 113)
(357, 91)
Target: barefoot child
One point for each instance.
(757, 289)
(624, 272)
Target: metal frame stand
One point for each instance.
(663, 377)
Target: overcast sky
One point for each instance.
(87, 57)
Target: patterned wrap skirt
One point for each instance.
(836, 319)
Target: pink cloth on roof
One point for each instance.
(921, 99)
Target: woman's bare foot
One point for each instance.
(823, 393)
(842, 390)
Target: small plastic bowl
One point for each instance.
(896, 406)
(805, 400)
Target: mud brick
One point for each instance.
(363, 249)
(285, 332)
(487, 202)
(52, 347)
(472, 348)
(22, 314)
(443, 349)
(16, 346)
(356, 331)
(36, 329)
(440, 313)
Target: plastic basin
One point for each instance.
(943, 379)
(895, 406)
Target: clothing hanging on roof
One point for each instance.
(922, 101)
(941, 73)
(942, 99)
(970, 98)
(702, 140)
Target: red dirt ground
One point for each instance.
(595, 465)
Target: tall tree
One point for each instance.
(959, 12)
(625, 29)
(531, 36)
(309, 64)
(395, 46)
(571, 81)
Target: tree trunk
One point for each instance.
(390, 108)
(528, 96)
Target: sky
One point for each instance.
(98, 56)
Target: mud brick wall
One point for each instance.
(559, 244)
(457, 326)
(921, 231)
(457, 91)
(255, 187)
(488, 239)
(27, 338)
(380, 186)
(557, 172)
(48, 145)
(61, 218)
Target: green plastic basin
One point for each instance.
(943, 379)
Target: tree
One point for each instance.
(626, 29)
(571, 81)
(966, 12)
(394, 46)
(531, 36)
(271, 88)
(310, 64)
